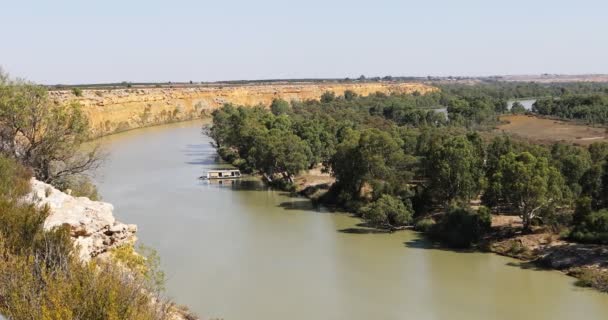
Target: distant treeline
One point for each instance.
(590, 108)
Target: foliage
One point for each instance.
(573, 162)
(424, 225)
(591, 277)
(370, 157)
(41, 134)
(590, 108)
(279, 107)
(40, 277)
(399, 145)
(518, 108)
(81, 291)
(14, 179)
(77, 92)
(528, 184)
(145, 262)
(387, 211)
(455, 170)
(80, 186)
(592, 227)
(461, 227)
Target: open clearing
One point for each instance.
(548, 130)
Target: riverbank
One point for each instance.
(541, 249)
(544, 249)
(96, 234)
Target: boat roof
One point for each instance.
(224, 169)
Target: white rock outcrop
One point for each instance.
(92, 224)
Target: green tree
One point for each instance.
(573, 162)
(592, 186)
(328, 96)
(371, 157)
(43, 135)
(387, 211)
(77, 92)
(527, 184)
(461, 227)
(350, 95)
(279, 106)
(455, 170)
(598, 151)
(518, 108)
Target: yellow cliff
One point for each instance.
(117, 110)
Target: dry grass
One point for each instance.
(547, 130)
(313, 177)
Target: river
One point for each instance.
(245, 252)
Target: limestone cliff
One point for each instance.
(92, 224)
(122, 109)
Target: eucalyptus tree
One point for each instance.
(42, 134)
(528, 184)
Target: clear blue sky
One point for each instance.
(101, 41)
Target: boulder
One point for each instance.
(92, 224)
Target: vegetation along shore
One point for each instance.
(397, 162)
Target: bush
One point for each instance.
(145, 263)
(41, 278)
(80, 186)
(77, 92)
(592, 278)
(82, 291)
(279, 106)
(593, 228)
(461, 227)
(424, 225)
(518, 108)
(387, 211)
(14, 179)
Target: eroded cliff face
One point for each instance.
(118, 110)
(92, 224)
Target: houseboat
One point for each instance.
(222, 174)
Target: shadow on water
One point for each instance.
(427, 244)
(526, 265)
(301, 204)
(364, 228)
(236, 184)
(201, 154)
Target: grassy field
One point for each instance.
(548, 130)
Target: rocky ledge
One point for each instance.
(92, 224)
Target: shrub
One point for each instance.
(279, 106)
(461, 227)
(80, 186)
(145, 263)
(592, 278)
(518, 108)
(77, 92)
(82, 291)
(387, 211)
(424, 225)
(14, 179)
(593, 228)
(41, 278)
